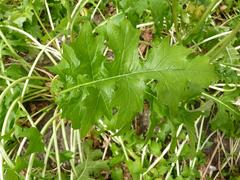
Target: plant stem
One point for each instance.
(6, 121)
(175, 17)
(212, 38)
(123, 148)
(47, 151)
(41, 24)
(80, 4)
(218, 48)
(199, 137)
(30, 164)
(73, 149)
(221, 102)
(95, 9)
(1, 167)
(18, 81)
(30, 37)
(21, 60)
(33, 67)
(21, 146)
(156, 161)
(51, 23)
(54, 126)
(5, 156)
(65, 140)
(79, 143)
(201, 22)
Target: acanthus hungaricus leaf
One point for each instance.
(179, 78)
(90, 86)
(82, 63)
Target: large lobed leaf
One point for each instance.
(89, 86)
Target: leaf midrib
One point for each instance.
(123, 76)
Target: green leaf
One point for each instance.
(117, 174)
(154, 120)
(90, 86)
(21, 15)
(6, 103)
(163, 167)
(92, 164)
(155, 148)
(34, 137)
(83, 106)
(129, 93)
(88, 168)
(179, 78)
(135, 168)
(15, 71)
(10, 174)
(159, 10)
(65, 156)
(228, 115)
(21, 163)
(134, 9)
